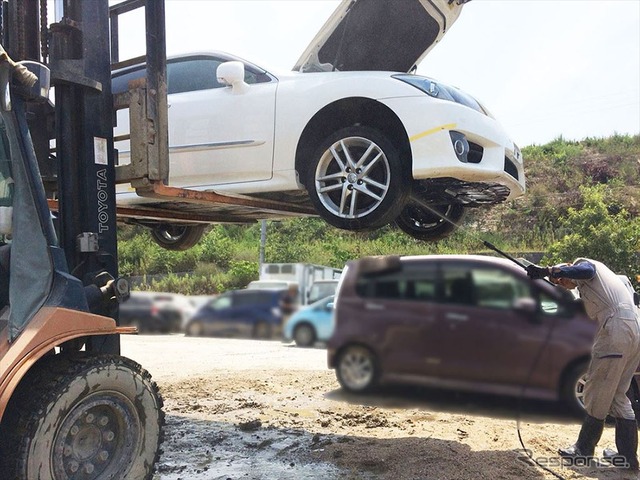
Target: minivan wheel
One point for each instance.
(573, 388)
(304, 335)
(357, 369)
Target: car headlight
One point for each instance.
(441, 91)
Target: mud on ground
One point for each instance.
(290, 424)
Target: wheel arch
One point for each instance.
(344, 113)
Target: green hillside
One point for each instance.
(583, 198)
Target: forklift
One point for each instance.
(71, 407)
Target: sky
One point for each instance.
(544, 68)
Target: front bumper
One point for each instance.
(493, 158)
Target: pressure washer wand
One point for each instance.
(505, 255)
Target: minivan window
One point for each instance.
(409, 284)
(483, 287)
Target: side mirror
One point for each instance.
(527, 306)
(232, 74)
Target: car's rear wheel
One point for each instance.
(304, 335)
(573, 387)
(430, 224)
(357, 180)
(195, 329)
(262, 330)
(357, 369)
(177, 237)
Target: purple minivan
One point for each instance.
(463, 322)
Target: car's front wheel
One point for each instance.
(573, 388)
(430, 224)
(357, 369)
(177, 237)
(304, 335)
(357, 180)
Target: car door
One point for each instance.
(217, 135)
(400, 310)
(483, 337)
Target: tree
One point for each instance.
(604, 232)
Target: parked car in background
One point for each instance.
(351, 133)
(154, 311)
(244, 313)
(464, 322)
(310, 324)
(321, 289)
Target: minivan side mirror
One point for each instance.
(232, 74)
(527, 306)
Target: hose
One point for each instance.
(537, 357)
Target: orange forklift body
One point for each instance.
(50, 328)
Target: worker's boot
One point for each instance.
(588, 438)
(626, 443)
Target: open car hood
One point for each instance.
(388, 35)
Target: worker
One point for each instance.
(289, 302)
(615, 355)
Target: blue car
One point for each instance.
(311, 324)
(244, 313)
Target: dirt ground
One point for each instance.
(243, 409)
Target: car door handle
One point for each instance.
(373, 306)
(458, 317)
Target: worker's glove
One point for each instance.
(536, 272)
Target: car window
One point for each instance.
(192, 75)
(120, 83)
(553, 307)
(411, 283)
(253, 298)
(189, 75)
(483, 287)
(221, 303)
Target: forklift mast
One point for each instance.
(79, 49)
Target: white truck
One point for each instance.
(312, 281)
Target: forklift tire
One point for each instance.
(89, 417)
(177, 237)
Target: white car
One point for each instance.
(349, 133)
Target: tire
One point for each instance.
(357, 369)
(352, 195)
(262, 330)
(304, 335)
(195, 329)
(177, 237)
(573, 388)
(424, 224)
(88, 417)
